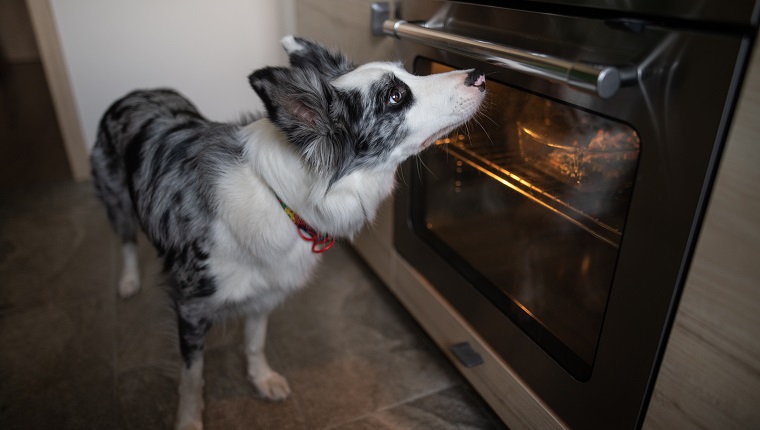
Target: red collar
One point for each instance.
(320, 242)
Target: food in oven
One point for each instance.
(591, 156)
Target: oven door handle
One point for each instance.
(603, 81)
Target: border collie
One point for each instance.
(240, 213)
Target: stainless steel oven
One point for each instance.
(560, 222)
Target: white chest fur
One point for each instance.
(257, 254)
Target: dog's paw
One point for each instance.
(272, 387)
(129, 285)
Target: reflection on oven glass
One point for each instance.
(574, 147)
(531, 200)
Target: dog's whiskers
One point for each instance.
(430, 171)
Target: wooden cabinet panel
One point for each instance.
(710, 375)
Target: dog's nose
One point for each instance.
(476, 78)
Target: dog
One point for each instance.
(240, 212)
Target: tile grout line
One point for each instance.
(392, 406)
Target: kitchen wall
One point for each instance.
(204, 49)
(343, 24)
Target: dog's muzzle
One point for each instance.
(476, 78)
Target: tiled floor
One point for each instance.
(74, 356)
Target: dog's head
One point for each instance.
(341, 117)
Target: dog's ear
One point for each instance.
(300, 102)
(292, 96)
(304, 53)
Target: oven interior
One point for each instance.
(528, 202)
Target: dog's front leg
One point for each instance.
(129, 283)
(269, 384)
(192, 332)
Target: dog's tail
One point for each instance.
(109, 175)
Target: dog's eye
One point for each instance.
(396, 96)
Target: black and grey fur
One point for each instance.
(206, 193)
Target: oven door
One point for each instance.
(560, 221)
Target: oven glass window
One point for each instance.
(528, 201)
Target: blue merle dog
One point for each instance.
(240, 213)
